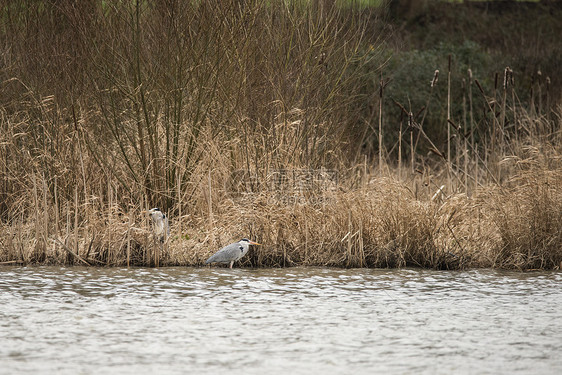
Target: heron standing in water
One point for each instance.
(231, 253)
(159, 224)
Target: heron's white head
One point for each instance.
(249, 242)
(155, 214)
(244, 244)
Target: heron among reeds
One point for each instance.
(159, 224)
(231, 253)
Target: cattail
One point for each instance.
(539, 78)
(479, 86)
(548, 94)
(435, 78)
(506, 75)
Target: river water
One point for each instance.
(57, 320)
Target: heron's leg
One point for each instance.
(231, 263)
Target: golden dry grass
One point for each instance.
(381, 223)
(205, 133)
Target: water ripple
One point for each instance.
(217, 320)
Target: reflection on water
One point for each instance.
(180, 320)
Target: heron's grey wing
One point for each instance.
(226, 254)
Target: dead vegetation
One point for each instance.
(253, 127)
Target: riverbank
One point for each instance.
(382, 222)
(300, 127)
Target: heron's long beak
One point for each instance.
(254, 243)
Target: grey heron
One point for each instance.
(159, 224)
(231, 253)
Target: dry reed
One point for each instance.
(241, 119)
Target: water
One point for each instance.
(281, 321)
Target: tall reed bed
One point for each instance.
(254, 119)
